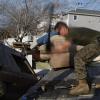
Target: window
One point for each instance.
(75, 17)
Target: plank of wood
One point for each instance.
(21, 45)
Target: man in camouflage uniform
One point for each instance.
(83, 57)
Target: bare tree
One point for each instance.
(24, 16)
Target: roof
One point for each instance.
(85, 12)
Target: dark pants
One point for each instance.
(52, 76)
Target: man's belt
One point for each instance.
(56, 69)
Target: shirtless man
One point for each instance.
(59, 60)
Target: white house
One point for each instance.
(82, 18)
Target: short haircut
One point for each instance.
(61, 24)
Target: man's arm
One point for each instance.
(79, 47)
(44, 57)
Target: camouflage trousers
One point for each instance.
(83, 57)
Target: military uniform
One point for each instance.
(83, 57)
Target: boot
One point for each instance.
(82, 88)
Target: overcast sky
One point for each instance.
(65, 4)
(85, 4)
